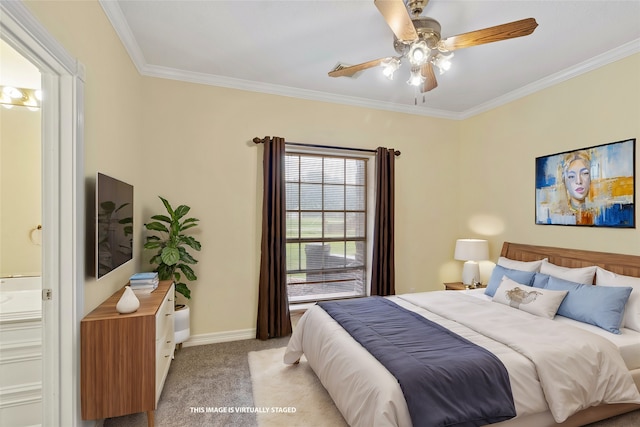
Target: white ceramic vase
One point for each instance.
(128, 302)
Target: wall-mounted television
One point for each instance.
(114, 224)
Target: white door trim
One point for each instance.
(62, 208)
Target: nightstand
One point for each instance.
(459, 286)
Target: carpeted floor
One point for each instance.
(208, 376)
(218, 376)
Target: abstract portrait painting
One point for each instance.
(592, 186)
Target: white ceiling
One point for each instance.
(288, 47)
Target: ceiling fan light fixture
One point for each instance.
(417, 39)
(419, 53)
(416, 78)
(443, 62)
(390, 65)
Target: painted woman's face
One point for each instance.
(578, 180)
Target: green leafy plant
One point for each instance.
(172, 257)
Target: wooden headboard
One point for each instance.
(629, 265)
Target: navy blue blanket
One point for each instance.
(446, 379)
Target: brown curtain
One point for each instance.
(273, 303)
(383, 268)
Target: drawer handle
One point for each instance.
(168, 314)
(167, 355)
(168, 342)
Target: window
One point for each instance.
(326, 226)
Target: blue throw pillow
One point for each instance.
(602, 306)
(540, 280)
(522, 277)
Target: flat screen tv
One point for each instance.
(114, 224)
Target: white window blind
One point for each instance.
(326, 226)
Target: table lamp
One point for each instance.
(471, 251)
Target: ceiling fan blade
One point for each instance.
(524, 27)
(430, 81)
(398, 19)
(342, 71)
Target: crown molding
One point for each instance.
(596, 62)
(119, 23)
(117, 19)
(271, 89)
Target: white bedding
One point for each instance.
(345, 368)
(628, 342)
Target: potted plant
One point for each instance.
(172, 258)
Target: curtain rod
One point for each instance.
(261, 140)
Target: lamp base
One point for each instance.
(470, 273)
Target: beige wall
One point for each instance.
(113, 111)
(20, 186)
(498, 149)
(200, 139)
(191, 144)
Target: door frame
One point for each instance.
(63, 205)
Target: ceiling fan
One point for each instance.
(418, 40)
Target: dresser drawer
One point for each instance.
(164, 316)
(164, 354)
(165, 344)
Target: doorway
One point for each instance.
(21, 241)
(62, 208)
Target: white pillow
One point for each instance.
(582, 275)
(538, 301)
(520, 265)
(631, 317)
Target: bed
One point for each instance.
(367, 394)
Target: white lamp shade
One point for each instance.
(471, 250)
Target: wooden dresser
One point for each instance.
(125, 357)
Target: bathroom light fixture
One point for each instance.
(471, 251)
(11, 96)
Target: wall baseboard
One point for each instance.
(218, 337)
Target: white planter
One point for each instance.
(181, 324)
